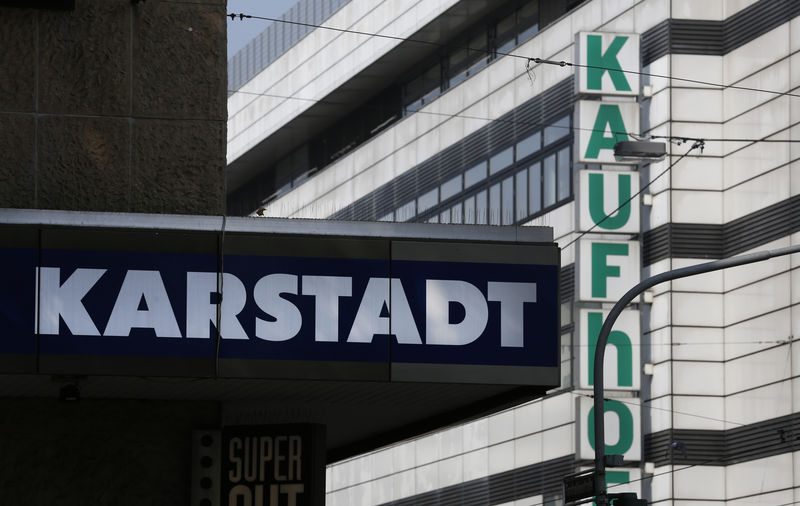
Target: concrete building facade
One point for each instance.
(450, 120)
(114, 106)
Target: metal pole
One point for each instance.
(599, 429)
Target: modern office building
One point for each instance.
(507, 112)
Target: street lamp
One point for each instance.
(627, 151)
(600, 458)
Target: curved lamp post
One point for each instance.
(601, 497)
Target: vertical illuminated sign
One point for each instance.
(607, 261)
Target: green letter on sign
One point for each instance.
(624, 350)
(609, 116)
(617, 477)
(600, 268)
(599, 63)
(597, 202)
(625, 427)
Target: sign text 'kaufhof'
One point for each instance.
(608, 257)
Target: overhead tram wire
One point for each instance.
(243, 16)
(528, 59)
(518, 122)
(697, 144)
(655, 408)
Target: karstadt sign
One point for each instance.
(281, 306)
(270, 307)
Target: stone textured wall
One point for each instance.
(115, 106)
(94, 452)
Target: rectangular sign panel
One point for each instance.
(608, 201)
(17, 302)
(600, 125)
(344, 303)
(608, 63)
(275, 465)
(623, 424)
(622, 355)
(606, 269)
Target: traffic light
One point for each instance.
(626, 499)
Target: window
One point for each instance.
(494, 204)
(508, 201)
(505, 34)
(549, 180)
(469, 211)
(450, 188)
(556, 130)
(427, 200)
(406, 211)
(564, 174)
(475, 175)
(456, 213)
(481, 208)
(527, 21)
(423, 89)
(478, 55)
(501, 160)
(535, 187)
(522, 194)
(529, 146)
(457, 66)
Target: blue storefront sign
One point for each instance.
(328, 307)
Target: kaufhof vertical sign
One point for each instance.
(608, 258)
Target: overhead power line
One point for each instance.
(697, 144)
(666, 410)
(528, 59)
(518, 122)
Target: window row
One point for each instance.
(469, 53)
(510, 24)
(507, 187)
(523, 193)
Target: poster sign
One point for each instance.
(275, 465)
